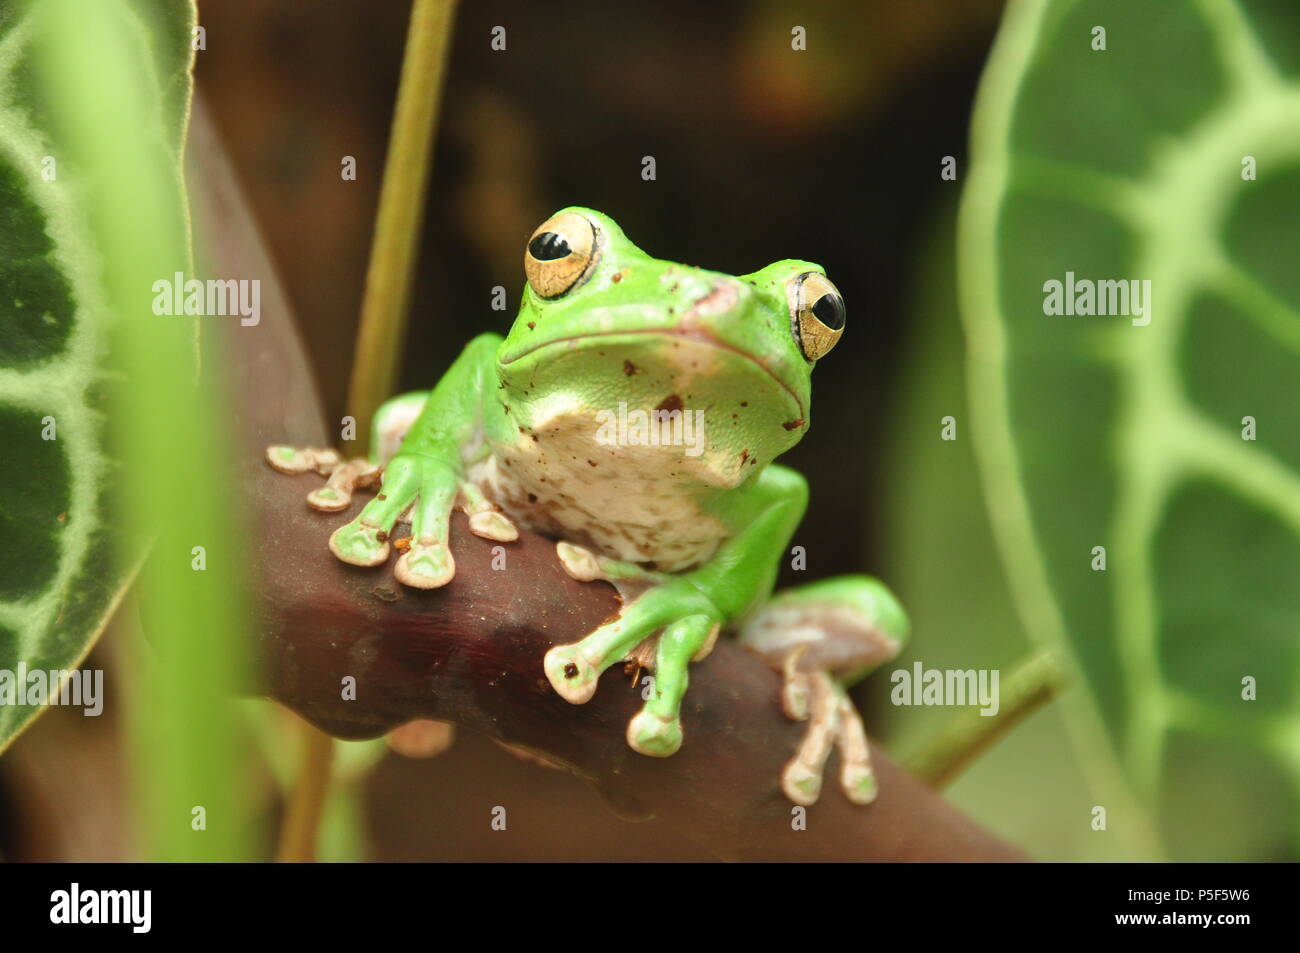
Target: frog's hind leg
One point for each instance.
(822, 637)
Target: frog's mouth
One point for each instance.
(694, 334)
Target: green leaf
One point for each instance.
(1127, 163)
(58, 580)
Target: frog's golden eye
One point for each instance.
(560, 254)
(816, 313)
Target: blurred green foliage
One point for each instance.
(1131, 162)
(112, 78)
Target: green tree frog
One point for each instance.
(633, 414)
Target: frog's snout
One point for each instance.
(721, 298)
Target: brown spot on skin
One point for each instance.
(744, 403)
(402, 544)
(382, 496)
(616, 277)
(591, 463)
(670, 403)
(570, 671)
(381, 536)
(793, 424)
(744, 455)
(532, 497)
(506, 408)
(62, 517)
(629, 368)
(532, 325)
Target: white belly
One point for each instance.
(635, 503)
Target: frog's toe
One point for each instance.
(859, 783)
(329, 499)
(421, 738)
(425, 566)
(796, 688)
(654, 735)
(360, 545)
(571, 673)
(485, 519)
(494, 525)
(293, 460)
(585, 566)
(336, 494)
(579, 562)
(856, 777)
(802, 783)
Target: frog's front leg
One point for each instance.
(822, 637)
(687, 610)
(424, 478)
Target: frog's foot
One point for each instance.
(832, 721)
(683, 620)
(820, 637)
(421, 738)
(345, 478)
(425, 487)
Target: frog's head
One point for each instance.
(603, 323)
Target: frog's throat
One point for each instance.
(692, 334)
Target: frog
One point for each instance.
(633, 413)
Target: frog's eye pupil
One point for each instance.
(548, 246)
(829, 310)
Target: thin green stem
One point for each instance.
(307, 803)
(1032, 684)
(401, 211)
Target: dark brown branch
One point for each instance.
(471, 653)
